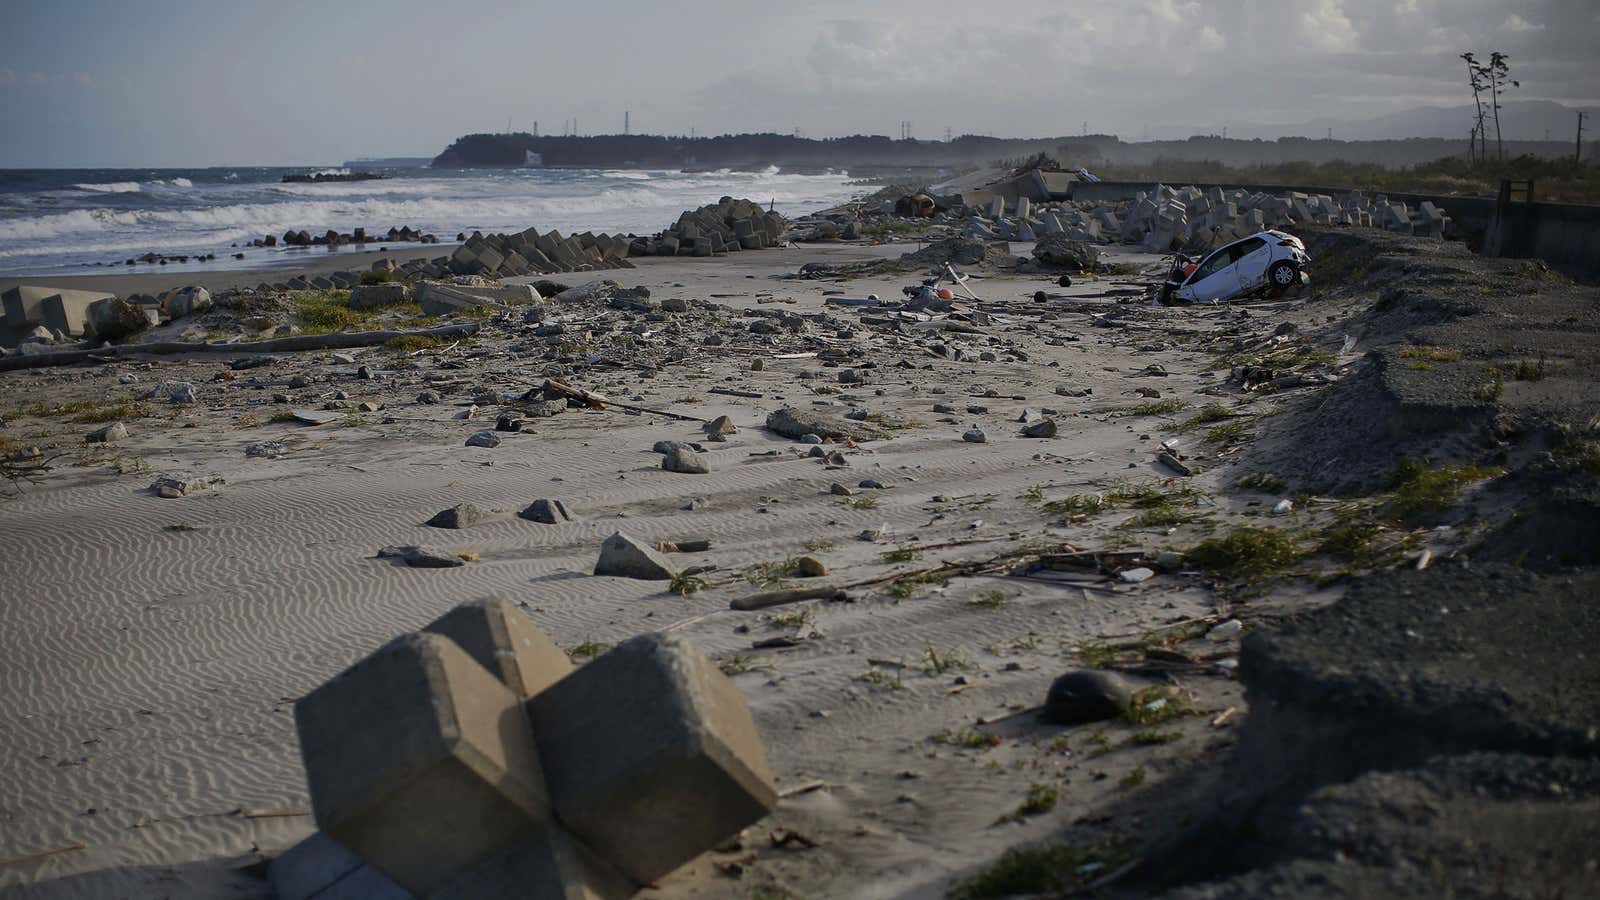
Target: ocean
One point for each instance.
(79, 221)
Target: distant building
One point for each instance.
(532, 160)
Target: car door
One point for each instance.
(1251, 258)
(1215, 277)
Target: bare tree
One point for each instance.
(1476, 82)
(1498, 75)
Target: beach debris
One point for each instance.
(484, 438)
(108, 434)
(462, 515)
(547, 512)
(418, 558)
(173, 391)
(173, 486)
(265, 450)
(685, 462)
(1135, 575)
(796, 423)
(316, 417)
(623, 557)
(1226, 631)
(1171, 461)
(810, 567)
(1086, 695)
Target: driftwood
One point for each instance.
(598, 401)
(339, 340)
(779, 598)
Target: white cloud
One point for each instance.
(1517, 24)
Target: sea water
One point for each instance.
(80, 221)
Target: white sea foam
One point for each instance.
(115, 187)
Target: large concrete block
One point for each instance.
(68, 311)
(547, 865)
(320, 868)
(505, 641)
(420, 761)
(651, 756)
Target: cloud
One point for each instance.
(1516, 24)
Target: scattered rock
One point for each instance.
(1086, 695)
(547, 512)
(174, 391)
(485, 438)
(109, 434)
(974, 435)
(721, 425)
(810, 567)
(265, 450)
(795, 423)
(1135, 576)
(624, 557)
(685, 462)
(462, 515)
(1044, 428)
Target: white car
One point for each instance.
(1269, 259)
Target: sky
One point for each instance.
(138, 83)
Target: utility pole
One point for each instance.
(1224, 132)
(625, 122)
(1086, 128)
(947, 134)
(1577, 149)
(535, 127)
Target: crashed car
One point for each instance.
(1269, 260)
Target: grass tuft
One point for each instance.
(1247, 553)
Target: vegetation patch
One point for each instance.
(1247, 553)
(1417, 490)
(1430, 354)
(1023, 871)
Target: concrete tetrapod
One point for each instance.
(420, 761)
(503, 640)
(652, 775)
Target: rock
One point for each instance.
(872, 484)
(974, 435)
(1086, 695)
(109, 434)
(1044, 428)
(840, 490)
(183, 301)
(669, 446)
(508, 423)
(418, 558)
(794, 423)
(1135, 576)
(265, 450)
(721, 425)
(547, 512)
(365, 296)
(836, 458)
(174, 486)
(462, 515)
(429, 397)
(174, 391)
(1060, 251)
(251, 362)
(1066, 391)
(624, 557)
(811, 439)
(685, 462)
(810, 567)
(485, 438)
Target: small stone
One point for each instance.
(974, 435)
(109, 434)
(685, 462)
(174, 391)
(462, 515)
(810, 567)
(1134, 576)
(836, 458)
(810, 439)
(485, 438)
(1044, 428)
(1149, 392)
(369, 406)
(1086, 695)
(720, 426)
(299, 381)
(1066, 391)
(428, 397)
(872, 484)
(943, 408)
(669, 446)
(757, 365)
(508, 423)
(468, 413)
(840, 490)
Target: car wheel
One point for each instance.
(1064, 281)
(1283, 275)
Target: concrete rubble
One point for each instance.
(555, 782)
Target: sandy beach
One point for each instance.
(152, 648)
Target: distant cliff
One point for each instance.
(745, 151)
